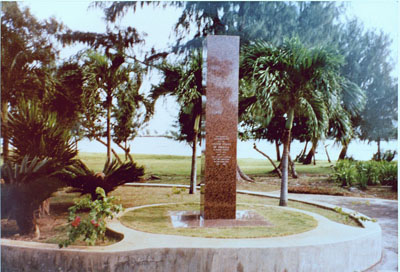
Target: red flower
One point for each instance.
(94, 223)
(76, 222)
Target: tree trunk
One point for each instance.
(109, 127)
(311, 154)
(44, 208)
(326, 151)
(379, 149)
(343, 152)
(4, 122)
(292, 168)
(112, 149)
(193, 173)
(285, 156)
(301, 155)
(76, 143)
(283, 201)
(26, 222)
(126, 151)
(276, 169)
(278, 154)
(242, 176)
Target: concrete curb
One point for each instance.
(329, 247)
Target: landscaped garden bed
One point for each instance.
(53, 227)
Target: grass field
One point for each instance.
(168, 165)
(314, 179)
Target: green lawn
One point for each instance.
(157, 220)
(138, 196)
(175, 166)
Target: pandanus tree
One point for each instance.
(185, 83)
(297, 81)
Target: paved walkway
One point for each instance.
(385, 211)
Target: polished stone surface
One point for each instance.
(193, 219)
(221, 120)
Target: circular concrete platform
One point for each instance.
(329, 247)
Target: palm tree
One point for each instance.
(297, 81)
(108, 76)
(185, 83)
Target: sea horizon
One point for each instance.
(158, 145)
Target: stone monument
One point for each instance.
(221, 118)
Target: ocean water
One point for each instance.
(159, 145)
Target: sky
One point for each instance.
(382, 15)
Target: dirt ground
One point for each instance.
(50, 225)
(317, 184)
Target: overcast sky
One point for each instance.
(157, 23)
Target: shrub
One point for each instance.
(93, 226)
(364, 173)
(42, 147)
(344, 172)
(35, 132)
(114, 174)
(26, 186)
(388, 155)
(367, 173)
(388, 174)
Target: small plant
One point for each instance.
(92, 226)
(114, 174)
(345, 173)
(26, 186)
(365, 173)
(178, 191)
(388, 156)
(354, 215)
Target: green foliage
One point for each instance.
(37, 133)
(27, 60)
(184, 81)
(27, 52)
(66, 100)
(251, 20)
(114, 174)
(292, 76)
(353, 215)
(177, 191)
(93, 226)
(365, 173)
(388, 155)
(388, 174)
(109, 78)
(26, 186)
(345, 173)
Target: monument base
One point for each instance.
(193, 219)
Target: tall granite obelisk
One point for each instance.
(221, 120)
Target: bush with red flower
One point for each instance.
(92, 226)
